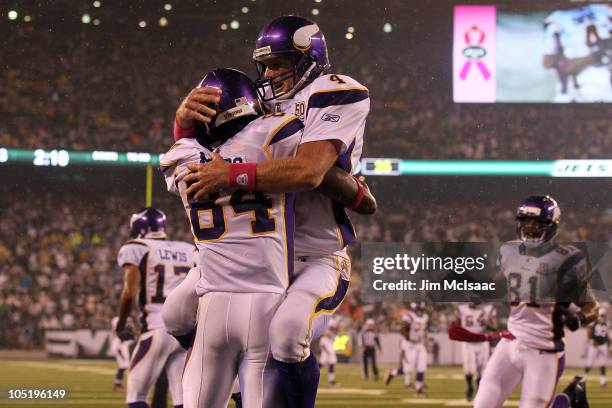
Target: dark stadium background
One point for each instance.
(115, 86)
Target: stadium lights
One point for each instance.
(224, 26)
(234, 24)
(86, 19)
(142, 24)
(315, 12)
(97, 4)
(318, 1)
(351, 29)
(387, 28)
(245, 10)
(12, 15)
(167, 6)
(163, 21)
(349, 36)
(96, 22)
(27, 19)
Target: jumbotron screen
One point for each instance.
(556, 55)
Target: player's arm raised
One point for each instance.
(195, 108)
(129, 294)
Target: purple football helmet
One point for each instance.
(238, 98)
(148, 222)
(294, 37)
(537, 219)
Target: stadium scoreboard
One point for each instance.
(368, 166)
(381, 167)
(63, 158)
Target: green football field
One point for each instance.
(89, 383)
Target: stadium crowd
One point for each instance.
(58, 258)
(56, 94)
(58, 265)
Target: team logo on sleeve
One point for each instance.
(328, 117)
(242, 179)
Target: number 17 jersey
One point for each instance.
(162, 265)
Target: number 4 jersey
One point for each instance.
(244, 239)
(163, 265)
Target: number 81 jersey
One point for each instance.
(163, 265)
(244, 238)
(539, 281)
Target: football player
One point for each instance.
(328, 354)
(543, 280)
(244, 239)
(291, 55)
(578, 45)
(413, 347)
(475, 317)
(599, 342)
(121, 350)
(153, 266)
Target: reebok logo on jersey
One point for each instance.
(328, 117)
(242, 179)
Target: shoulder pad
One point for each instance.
(135, 241)
(278, 126)
(334, 81)
(185, 150)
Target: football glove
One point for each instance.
(573, 321)
(125, 333)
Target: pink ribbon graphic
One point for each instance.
(474, 52)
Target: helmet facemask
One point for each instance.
(531, 231)
(269, 89)
(537, 220)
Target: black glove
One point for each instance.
(125, 333)
(574, 321)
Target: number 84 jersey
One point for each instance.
(244, 238)
(539, 281)
(163, 265)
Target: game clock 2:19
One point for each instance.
(59, 158)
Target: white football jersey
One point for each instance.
(326, 343)
(333, 107)
(533, 279)
(163, 265)
(418, 326)
(475, 319)
(244, 239)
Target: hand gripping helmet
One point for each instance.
(148, 222)
(537, 219)
(294, 37)
(238, 100)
